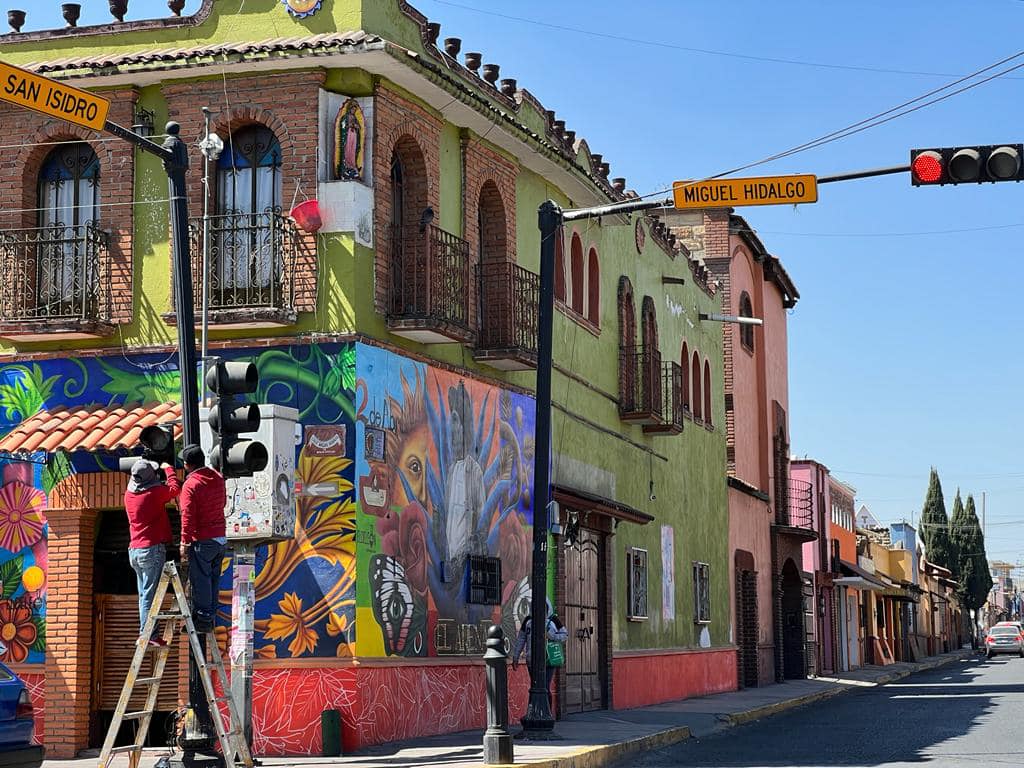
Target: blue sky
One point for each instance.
(904, 346)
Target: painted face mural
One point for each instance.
(460, 455)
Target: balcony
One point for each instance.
(640, 398)
(509, 302)
(794, 514)
(57, 282)
(428, 300)
(251, 268)
(671, 392)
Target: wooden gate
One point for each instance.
(585, 666)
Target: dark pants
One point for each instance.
(204, 564)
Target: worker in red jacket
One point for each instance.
(149, 492)
(203, 498)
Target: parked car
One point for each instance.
(16, 724)
(1017, 624)
(1004, 639)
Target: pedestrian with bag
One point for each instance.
(150, 489)
(554, 647)
(203, 533)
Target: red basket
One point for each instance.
(307, 216)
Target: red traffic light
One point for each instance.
(926, 167)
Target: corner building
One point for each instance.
(403, 330)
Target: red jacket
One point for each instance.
(203, 498)
(147, 513)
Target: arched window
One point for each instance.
(408, 186)
(627, 345)
(69, 200)
(576, 261)
(649, 330)
(651, 358)
(248, 200)
(559, 268)
(746, 331)
(593, 288)
(685, 366)
(490, 211)
(397, 191)
(696, 374)
(707, 393)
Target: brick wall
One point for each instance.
(286, 103)
(69, 633)
(415, 134)
(19, 178)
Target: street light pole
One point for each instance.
(211, 146)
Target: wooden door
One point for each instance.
(117, 628)
(585, 620)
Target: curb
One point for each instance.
(595, 757)
(738, 718)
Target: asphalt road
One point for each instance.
(966, 714)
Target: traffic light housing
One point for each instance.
(232, 455)
(967, 165)
(157, 441)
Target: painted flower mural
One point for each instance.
(20, 632)
(21, 516)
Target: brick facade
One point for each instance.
(415, 134)
(287, 104)
(38, 136)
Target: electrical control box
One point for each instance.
(262, 507)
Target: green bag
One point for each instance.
(556, 654)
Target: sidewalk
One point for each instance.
(600, 738)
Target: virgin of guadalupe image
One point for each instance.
(349, 138)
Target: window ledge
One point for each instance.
(54, 330)
(264, 317)
(577, 318)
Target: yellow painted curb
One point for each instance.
(595, 757)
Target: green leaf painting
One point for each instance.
(40, 643)
(25, 395)
(10, 576)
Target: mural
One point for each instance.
(444, 468)
(349, 141)
(305, 587)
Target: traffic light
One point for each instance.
(232, 455)
(965, 165)
(157, 441)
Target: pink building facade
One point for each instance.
(768, 522)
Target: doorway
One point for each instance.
(747, 625)
(585, 619)
(793, 624)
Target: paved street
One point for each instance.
(965, 714)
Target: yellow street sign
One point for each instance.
(761, 190)
(27, 89)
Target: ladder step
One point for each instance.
(122, 750)
(164, 616)
(147, 680)
(136, 715)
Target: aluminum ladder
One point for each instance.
(230, 735)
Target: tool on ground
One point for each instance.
(229, 730)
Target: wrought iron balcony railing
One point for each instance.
(55, 273)
(798, 510)
(671, 392)
(640, 399)
(251, 261)
(509, 301)
(430, 284)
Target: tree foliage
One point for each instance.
(935, 526)
(972, 565)
(958, 523)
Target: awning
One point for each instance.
(856, 577)
(592, 502)
(900, 594)
(93, 428)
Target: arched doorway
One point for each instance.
(747, 625)
(793, 631)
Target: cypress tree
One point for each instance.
(935, 525)
(975, 579)
(958, 525)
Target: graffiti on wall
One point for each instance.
(444, 473)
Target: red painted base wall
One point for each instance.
(644, 679)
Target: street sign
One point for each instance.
(761, 190)
(27, 89)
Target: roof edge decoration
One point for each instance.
(119, 27)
